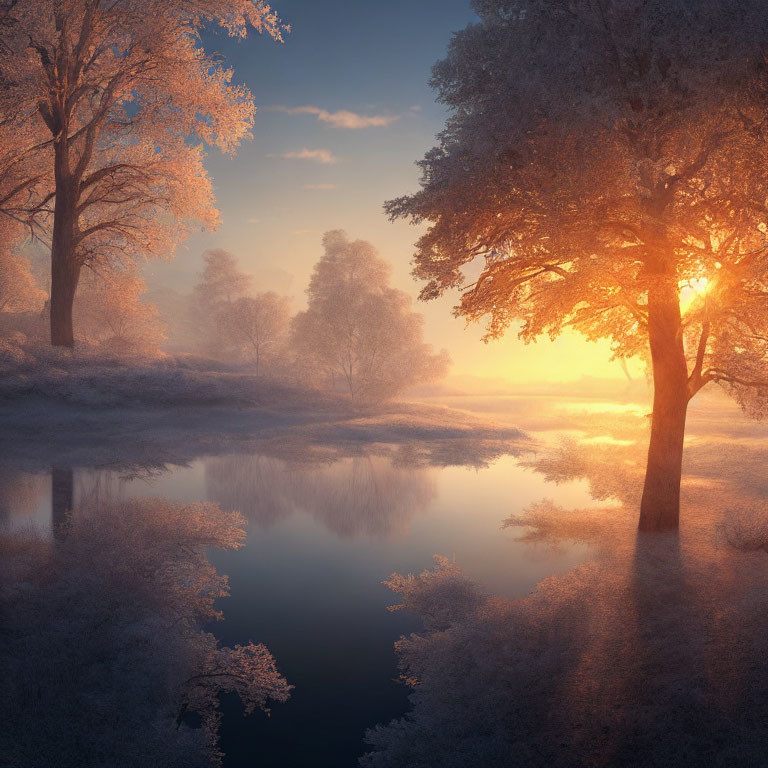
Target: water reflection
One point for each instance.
(103, 654)
(20, 494)
(651, 654)
(366, 495)
(62, 500)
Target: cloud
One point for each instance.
(319, 187)
(319, 155)
(415, 108)
(253, 220)
(343, 118)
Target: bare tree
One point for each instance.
(357, 331)
(601, 156)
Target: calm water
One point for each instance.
(326, 527)
(321, 537)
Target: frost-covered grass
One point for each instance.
(87, 410)
(99, 407)
(89, 378)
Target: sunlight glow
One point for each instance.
(690, 290)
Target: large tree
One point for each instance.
(359, 333)
(601, 155)
(128, 97)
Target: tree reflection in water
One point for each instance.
(651, 654)
(354, 489)
(102, 639)
(20, 494)
(353, 496)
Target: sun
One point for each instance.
(691, 289)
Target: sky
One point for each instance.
(344, 112)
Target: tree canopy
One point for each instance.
(359, 332)
(599, 157)
(126, 99)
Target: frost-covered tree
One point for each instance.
(258, 328)
(221, 281)
(357, 331)
(110, 311)
(599, 158)
(128, 98)
(18, 290)
(221, 284)
(231, 322)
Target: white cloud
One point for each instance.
(253, 220)
(319, 155)
(343, 118)
(319, 187)
(415, 108)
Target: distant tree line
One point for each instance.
(357, 334)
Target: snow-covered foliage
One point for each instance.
(95, 378)
(358, 333)
(603, 161)
(103, 646)
(229, 321)
(18, 289)
(594, 152)
(111, 313)
(126, 99)
(650, 654)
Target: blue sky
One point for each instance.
(304, 173)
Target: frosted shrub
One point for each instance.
(103, 648)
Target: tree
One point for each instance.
(258, 327)
(221, 284)
(128, 97)
(599, 157)
(110, 310)
(230, 321)
(18, 290)
(357, 331)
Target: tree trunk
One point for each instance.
(65, 267)
(660, 506)
(64, 279)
